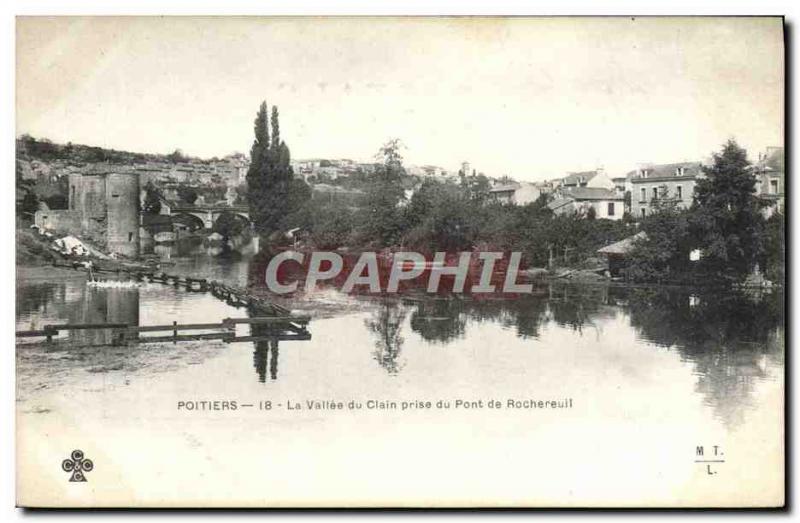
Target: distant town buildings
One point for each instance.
(518, 193)
(584, 201)
(651, 183)
(770, 184)
(597, 179)
(229, 171)
(326, 170)
(215, 182)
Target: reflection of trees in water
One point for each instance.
(731, 339)
(439, 320)
(524, 314)
(39, 296)
(387, 323)
(576, 306)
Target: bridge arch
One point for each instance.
(190, 220)
(237, 220)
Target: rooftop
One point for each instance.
(508, 187)
(668, 170)
(623, 246)
(579, 177)
(558, 203)
(590, 193)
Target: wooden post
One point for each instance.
(174, 331)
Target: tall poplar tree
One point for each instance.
(258, 173)
(272, 192)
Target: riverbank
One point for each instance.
(51, 273)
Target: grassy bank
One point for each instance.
(32, 250)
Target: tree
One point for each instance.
(441, 217)
(29, 204)
(773, 261)
(663, 254)
(176, 156)
(228, 225)
(187, 194)
(727, 221)
(476, 188)
(384, 218)
(152, 199)
(272, 192)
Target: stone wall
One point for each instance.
(122, 204)
(58, 220)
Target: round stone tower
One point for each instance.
(122, 202)
(88, 197)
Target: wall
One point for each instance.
(87, 197)
(122, 203)
(58, 220)
(526, 194)
(602, 180)
(601, 208)
(637, 204)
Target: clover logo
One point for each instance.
(77, 464)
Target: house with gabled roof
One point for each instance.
(606, 203)
(597, 178)
(517, 193)
(674, 181)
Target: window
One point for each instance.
(644, 194)
(655, 193)
(72, 199)
(773, 186)
(679, 189)
(115, 195)
(130, 236)
(644, 212)
(611, 208)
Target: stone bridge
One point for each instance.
(205, 216)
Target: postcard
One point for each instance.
(400, 262)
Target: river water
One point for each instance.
(636, 380)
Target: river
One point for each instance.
(638, 379)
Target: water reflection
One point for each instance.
(265, 351)
(386, 325)
(730, 340)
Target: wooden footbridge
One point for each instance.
(274, 322)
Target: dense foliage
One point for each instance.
(273, 194)
(725, 226)
(402, 211)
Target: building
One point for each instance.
(103, 208)
(675, 181)
(597, 178)
(770, 179)
(516, 193)
(617, 253)
(607, 204)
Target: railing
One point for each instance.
(125, 333)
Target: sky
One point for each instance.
(532, 98)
